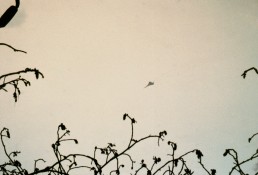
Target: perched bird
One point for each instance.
(149, 84)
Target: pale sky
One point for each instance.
(98, 55)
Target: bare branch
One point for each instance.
(14, 49)
(15, 81)
(245, 72)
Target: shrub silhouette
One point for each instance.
(239, 164)
(13, 79)
(65, 164)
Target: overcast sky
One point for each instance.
(98, 55)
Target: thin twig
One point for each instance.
(245, 72)
(14, 49)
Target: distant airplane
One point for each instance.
(149, 84)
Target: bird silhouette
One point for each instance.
(149, 84)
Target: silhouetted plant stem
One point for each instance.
(212, 170)
(172, 161)
(111, 154)
(238, 164)
(35, 164)
(36, 71)
(15, 81)
(249, 139)
(78, 168)
(128, 148)
(245, 72)
(14, 163)
(14, 49)
(2, 141)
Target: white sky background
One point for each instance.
(97, 57)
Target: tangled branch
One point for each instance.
(65, 164)
(14, 82)
(239, 164)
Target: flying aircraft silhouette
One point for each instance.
(149, 84)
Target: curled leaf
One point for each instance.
(7, 133)
(226, 152)
(62, 126)
(124, 116)
(188, 171)
(213, 171)
(102, 151)
(199, 154)
(15, 96)
(156, 159)
(249, 140)
(37, 74)
(176, 162)
(162, 134)
(17, 163)
(174, 147)
(111, 145)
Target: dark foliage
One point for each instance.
(13, 79)
(65, 164)
(238, 165)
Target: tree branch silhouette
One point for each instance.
(14, 82)
(245, 72)
(238, 164)
(14, 49)
(65, 164)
